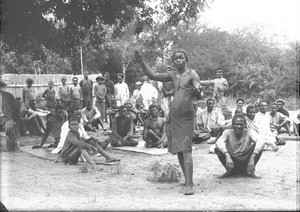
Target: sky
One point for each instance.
(280, 17)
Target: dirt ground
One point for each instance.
(30, 183)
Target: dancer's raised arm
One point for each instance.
(163, 77)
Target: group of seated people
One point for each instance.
(239, 141)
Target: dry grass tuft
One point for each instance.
(164, 173)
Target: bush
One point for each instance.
(164, 173)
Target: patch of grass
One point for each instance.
(164, 173)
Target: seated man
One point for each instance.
(8, 111)
(53, 125)
(278, 120)
(122, 130)
(239, 149)
(209, 122)
(83, 136)
(282, 110)
(91, 117)
(74, 147)
(31, 119)
(112, 111)
(154, 129)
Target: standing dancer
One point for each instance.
(180, 121)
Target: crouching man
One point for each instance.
(239, 149)
(154, 129)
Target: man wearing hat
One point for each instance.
(220, 85)
(110, 89)
(100, 91)
(121, 91)
(8, 110)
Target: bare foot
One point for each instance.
(97, 168)
(253, 175)
(225, 175)
(189, 190)
(109, 160)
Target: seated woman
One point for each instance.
(31, 119)
(122, 130)
(154, 129)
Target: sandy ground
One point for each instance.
(30, 183)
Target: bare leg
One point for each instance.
(102, 152)
(188, 166)
(181, 163)
(86, 155)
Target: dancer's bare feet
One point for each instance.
(189, 190)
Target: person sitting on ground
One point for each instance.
(53, 125)
(263, 119)
(49, 94)
(239, 105)
(281, 109)
(122, 130)
(112, 111)
(31, 119)
(83, 134)
(28, 93)
(197, 131)
(154, 129)
(209, 122)
(141, 111)
(74, 147)
(91, 117)
(239, 149)
(278, 120)
(100, 146)
(137, 92)
(9, 111)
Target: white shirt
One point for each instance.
(121, 92)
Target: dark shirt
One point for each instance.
(9, 107)
(110, 87)
(50, 97)
(284, 112)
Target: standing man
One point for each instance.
(87, 89)
(100, 91)
(148, 92)
(8, 110)
(121, 91)
(76, 92)
(180, 120)
(110, 89)
(64, 92)
(220, 85)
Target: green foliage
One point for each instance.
(164, 173)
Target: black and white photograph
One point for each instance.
(150, 105)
